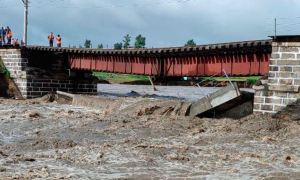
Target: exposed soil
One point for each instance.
(140, 138)
(8, 88)
(3, 86)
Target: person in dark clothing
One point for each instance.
(51, 39)
(2, 34)
(9, 35)
(1, 41)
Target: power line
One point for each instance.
(288, 25)
(106, 3)
(285, 25)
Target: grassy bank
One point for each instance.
(249, 79)
(120, 78)
(129, 78)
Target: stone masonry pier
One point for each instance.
(282, 86)
(36, 74)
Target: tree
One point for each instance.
(140, 41)
(190, 43)
(88, 43)
(126, 41)
(100, 46)
(118, 45)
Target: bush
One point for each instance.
(3, 69)
(252, 81)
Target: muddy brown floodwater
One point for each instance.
(140, 138)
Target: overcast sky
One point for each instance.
(163, 22)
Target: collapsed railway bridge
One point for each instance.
(36, 70)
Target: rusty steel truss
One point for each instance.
(237, 59)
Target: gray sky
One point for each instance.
(163, 22)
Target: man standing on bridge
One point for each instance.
(9, 35)
(58, 41)
(2, 34)
(51, 39)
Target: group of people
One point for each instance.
(6, 37)
(51, 40)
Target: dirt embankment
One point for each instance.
(141, 138)
(6, 87)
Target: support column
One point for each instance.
(282, 86)
(34, 82)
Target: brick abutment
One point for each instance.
(282, 86)
(36, 81)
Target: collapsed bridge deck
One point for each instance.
(238, 58)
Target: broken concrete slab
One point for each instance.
(236, 108)
(214, 99)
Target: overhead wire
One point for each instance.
(106, 3)
(288, 25)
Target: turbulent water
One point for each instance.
(187, 93)
(141, 138)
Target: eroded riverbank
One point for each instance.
(141, 138)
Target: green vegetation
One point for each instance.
(100, 46)
(126, 41)
(140, 42)
(119, 78)
(253, 80)
(118, 45)
(190, 43)
(123, 78)
(88, 43)
(249, 79)
(3, 69)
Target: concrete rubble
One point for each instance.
(215, 99)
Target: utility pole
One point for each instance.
(25, 2)
(275, 28)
